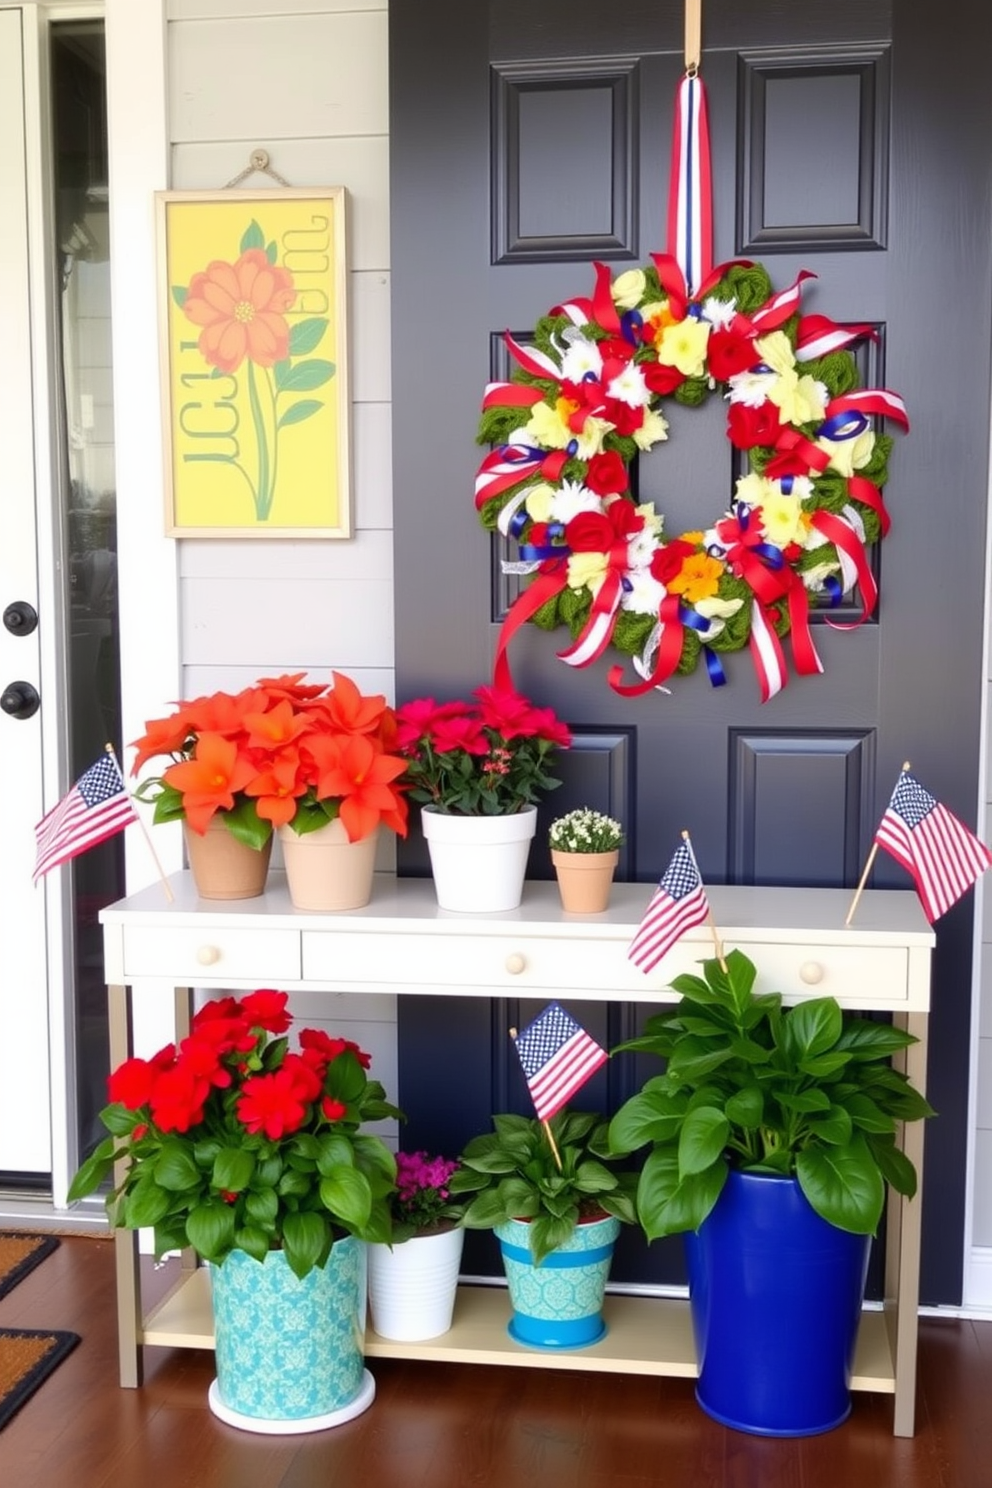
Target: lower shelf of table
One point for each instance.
(646, 1335)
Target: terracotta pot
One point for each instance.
(223, 867)
(585, 879)
(324, 871)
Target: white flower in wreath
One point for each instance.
(750, 388)
(719, 313)
(581, 358)
(629, 387)
(653, 429)
(848, 455)
(569, 500)
(645, 593)
(816, 577)
(683, 345)
(641, 548)
(627, 288)
(590, 441)
(717, 612)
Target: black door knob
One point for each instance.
(20, 618)
(20, 700)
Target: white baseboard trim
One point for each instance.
(978, 1281)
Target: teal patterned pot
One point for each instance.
(558, 1304)
(290, 1353)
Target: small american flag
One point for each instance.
(938, 850)
(97, 806)
(678, 903)
(558, 1057)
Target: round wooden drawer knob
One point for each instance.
(811, 972)
(515, 963)
(208, 955)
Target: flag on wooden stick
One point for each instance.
(97, 806)
(558, 1057)
(942, 855)
(678, 903)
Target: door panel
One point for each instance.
(537, 139)
(25, 1145)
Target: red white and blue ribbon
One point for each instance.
(690, 194)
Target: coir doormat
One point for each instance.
(19, 1254)
(27, 1358)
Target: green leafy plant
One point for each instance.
(236, 1141)
(513, 1174)
(585, 831)
(806, 1091)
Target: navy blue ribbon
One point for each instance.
(714, 667)
(846, 425)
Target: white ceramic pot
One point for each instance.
(412, 1287)
(479, 863)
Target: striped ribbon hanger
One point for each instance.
(690, 193)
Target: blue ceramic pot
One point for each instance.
(776, 1296)
(558, 1304)
(290, 1350)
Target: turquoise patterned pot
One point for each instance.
(290, 1353)
(558, 1304)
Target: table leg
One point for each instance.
(902, 1250)
(125, 1241)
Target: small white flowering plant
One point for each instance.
(585, 831)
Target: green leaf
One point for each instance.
(864, 1039)
(896, 1167)
(306, 1240)
(303, 377)
(233, 1169)
(210, 1228)
(843, 1185)
(345, 1193)
(255, 1242)
(485, 1212)
(703, 1138)
(297, 412)
(835, 1127)
(803, 1100)
(262, 1206)
(145, 1205)
(252, 237)
(305, 335)
(647, 1117)
(814, 1026)
(271, 252)
(334, 1151)
(746, 1108)
(93, 1171)
(175, 1169)
(244, 823)
(179, 294)
(666, 1206)
(119, 1120)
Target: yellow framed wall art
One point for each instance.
(253, 331)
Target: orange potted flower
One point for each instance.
(314, 761)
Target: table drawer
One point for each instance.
(869, 976)
(192, 956)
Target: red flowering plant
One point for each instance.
(423, 1204)
(489, 757)
(236, 1139)
(281, 751)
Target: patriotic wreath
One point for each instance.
(588, 394)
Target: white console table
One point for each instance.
(402, 943)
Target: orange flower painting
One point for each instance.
(257, 414)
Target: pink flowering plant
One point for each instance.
(492, 756)
(237, 1140)
(423, 1204)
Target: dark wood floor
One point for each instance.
(459, 1426)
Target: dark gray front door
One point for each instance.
(529, 139)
